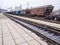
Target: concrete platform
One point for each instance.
(12, 33)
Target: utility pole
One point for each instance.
(11, 8)
(20, 6)
(27, 5)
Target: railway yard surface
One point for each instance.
(12, 33)
(50, 32)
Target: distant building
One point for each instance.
(56, 12)
(3, 10)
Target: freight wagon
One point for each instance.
(40, 11)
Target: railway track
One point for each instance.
(51, 36)
(43, 19)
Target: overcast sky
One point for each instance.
(32, 3)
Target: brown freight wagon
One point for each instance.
(38, 11)
(41, 11)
